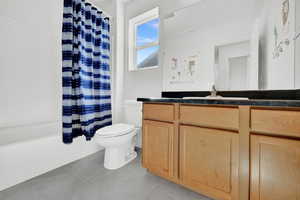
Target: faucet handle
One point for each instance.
(214, 87)
(214, 91)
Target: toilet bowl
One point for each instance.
(119, 143)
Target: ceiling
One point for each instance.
(207, 13)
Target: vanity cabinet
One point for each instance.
(225, 152)
(275, 154)
(209, 161)
(158, 147)
(275, 168)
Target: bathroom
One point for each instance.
(184, 76)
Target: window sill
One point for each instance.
(143, 69)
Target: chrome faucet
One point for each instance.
(213, 92)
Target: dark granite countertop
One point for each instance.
(251, 102)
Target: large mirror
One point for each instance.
(232, 44)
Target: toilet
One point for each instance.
(119, 140)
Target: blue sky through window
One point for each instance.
(147, 33)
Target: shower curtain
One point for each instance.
(86, 70)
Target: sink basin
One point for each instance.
(218, 98)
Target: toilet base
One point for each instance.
(116, 158)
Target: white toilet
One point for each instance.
(119, 140)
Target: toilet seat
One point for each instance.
(115, 130)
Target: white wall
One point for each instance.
(30, 61)
(150, 83)
(201, 40)
(297, 51)
(282, 68)
(147, 83)
(31, 91)
(198, 30)
(120, 60)
(107, 6)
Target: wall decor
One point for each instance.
(191, 64)
(183, 70)
(282, 30)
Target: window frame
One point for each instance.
(132, 40)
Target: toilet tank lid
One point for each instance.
(115, 130)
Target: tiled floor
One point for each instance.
(87, 179)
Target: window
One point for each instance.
(144, 41)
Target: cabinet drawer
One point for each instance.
(218, 117)
(277, 122)
(162, 112)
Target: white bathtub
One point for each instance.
(30, 150)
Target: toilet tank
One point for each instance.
(133, 113)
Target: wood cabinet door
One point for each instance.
(158, 147)
(275, 168)
(209, 161)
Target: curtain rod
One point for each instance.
(105, 13)
(101, 10)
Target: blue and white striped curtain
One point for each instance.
(86, 70)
